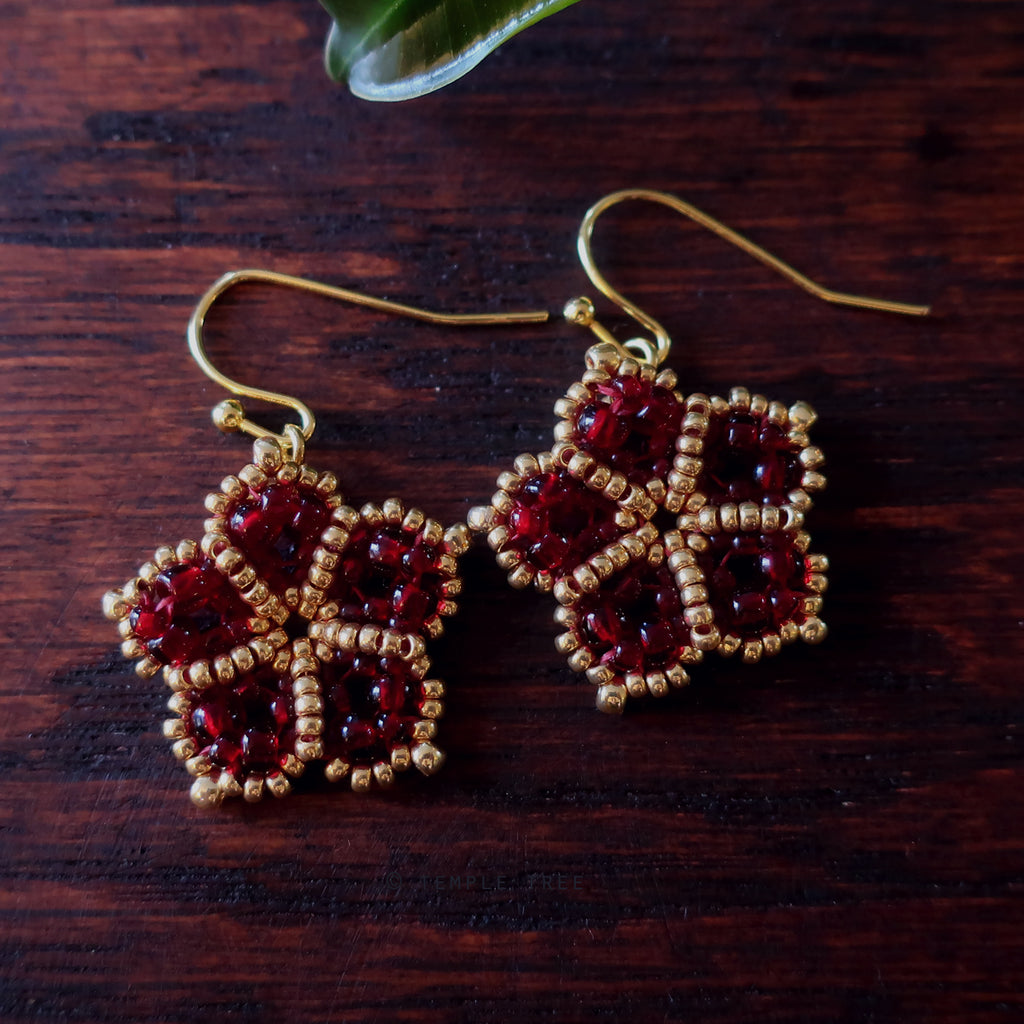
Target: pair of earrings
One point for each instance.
(295, 629)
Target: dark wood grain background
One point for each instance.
(833, 836)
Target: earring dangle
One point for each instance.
(296, 629)
(638, 606)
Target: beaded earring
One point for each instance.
(296, 629)
(667, 526)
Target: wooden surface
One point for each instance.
(833, 836)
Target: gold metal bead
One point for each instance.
(813, 630)
(400, 759)
(729, 645)
(739, 399)
(580, 660)
(802, 416)
(752, 652)
(636, 685)
(115, 607)
(228, 785)
(185, 748)
(267, 455)
(206, 793)
(199, 675)
(278, 784)
(427, 758)
(611, 698)
(336, 770)
(750, 517)
(772, 644)
(174, 728)
(657, 684)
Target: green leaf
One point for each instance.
(399, 49)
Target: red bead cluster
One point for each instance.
(295, 633)
(639, 605)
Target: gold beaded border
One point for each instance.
(642, 546)
(493, 519)
(452, 544)
(119, 603)
(212, 783)
(605, 362)
(269, 466)
(336, 635)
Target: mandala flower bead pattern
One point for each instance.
(642, 601)
(295, 632)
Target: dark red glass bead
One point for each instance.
(630, 425)
(748, 458)
(556, 522)
(246, 727)
(189, 611)
(389, 577)
(370, 707)
(756, 582)
(634, 622)
(278, 529)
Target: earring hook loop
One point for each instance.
(229, 415)
(656, 351)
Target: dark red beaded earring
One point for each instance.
(733, 572)
(296, 629)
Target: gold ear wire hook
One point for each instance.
(580, 311)
(229, 415)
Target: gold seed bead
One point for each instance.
(636, 685)
(707, 519)
(521, 577)
(327, 484)
(802, 415)
(278, 784)
(772, 644)
(739, 399)
(611, 698)
(580, 660)
(813, 631)
(707, 639)
(205, 793)
(657, 684)
(384, 774)
(252, 790)
(174, 729)
(336, 770)
(729, 516)
(228, 785)
(400, 759)
(183, 749)
(729, 645)
(677, 676)
(266, 454)
(752, 652)
(750, 517)
(427, 758)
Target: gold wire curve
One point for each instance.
(230, 415)
(655, 352)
